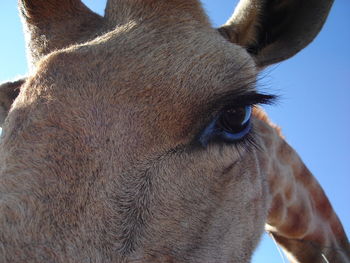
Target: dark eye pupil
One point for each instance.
(230, 126)
(234, 120)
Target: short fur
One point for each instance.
(100, 160)
(8, 93)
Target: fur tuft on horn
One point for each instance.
(56, 24)
(38, 11)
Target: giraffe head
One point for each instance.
(130, 140)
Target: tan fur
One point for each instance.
(8, 93)
(100, 160)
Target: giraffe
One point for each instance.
(76, 186)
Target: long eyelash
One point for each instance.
(248, 143)
(249, 99)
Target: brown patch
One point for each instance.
(319, 235)
(337, 228)
(276, 212)
(289, 191)
(297, 220)
(303, 175)
(321, 203)
(285, 153)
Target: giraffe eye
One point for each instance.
(235, 123)
(230, 125)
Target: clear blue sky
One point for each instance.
(314, 110)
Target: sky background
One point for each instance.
(314, 109)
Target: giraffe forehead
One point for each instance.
(194, 62)
(147, 65)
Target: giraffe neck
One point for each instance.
(300, 218)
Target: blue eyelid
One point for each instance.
(231, 137)
(208, 132)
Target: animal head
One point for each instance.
(133, 138)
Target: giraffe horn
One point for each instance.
(301, 218)
(55, 24)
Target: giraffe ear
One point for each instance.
(272, 30)
(8, 93)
